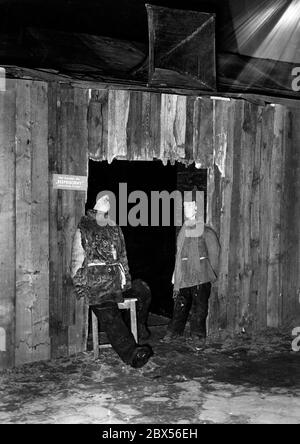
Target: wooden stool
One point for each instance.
(128, 304)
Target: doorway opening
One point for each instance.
(150, 249)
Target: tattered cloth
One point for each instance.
(102, 281)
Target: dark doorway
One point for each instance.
(150, 250)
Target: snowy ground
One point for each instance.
(240, 381)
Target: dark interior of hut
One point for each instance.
(150, 249)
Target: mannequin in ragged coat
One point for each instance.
(101, 275)
(196, 269)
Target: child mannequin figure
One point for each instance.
(196, 268)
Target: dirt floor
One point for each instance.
(237, 381)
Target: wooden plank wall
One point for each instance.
(252, 157)
(24, 298)
(254, 201)
(43, 130)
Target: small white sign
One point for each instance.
(69, 182)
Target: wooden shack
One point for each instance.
(249, 146)
(252, 157)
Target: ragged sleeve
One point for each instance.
(78, 253)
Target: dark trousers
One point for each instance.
(193, 300)
(119, 335)
(116, 322)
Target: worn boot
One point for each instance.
(141, 356)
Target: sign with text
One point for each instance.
(69, 182)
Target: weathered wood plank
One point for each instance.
(135, 150)
(223, 168)
(40, 221)
(220, 128)
(245, 317)
(265, 213)
(69, 159)
(53, 97)
(118, 110)
(97, 122)
(147, 149)
(255, 221)
(143, 129)
(151, 125)
(173, 127)
(24, 270)
(79, 160)
(58, 332)
(179, 128)
(213, 219)
(32, 277)
(234, 263)
(190, 128)
(203, 132)
(65, 106)
(7, 224)
(275, 189)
